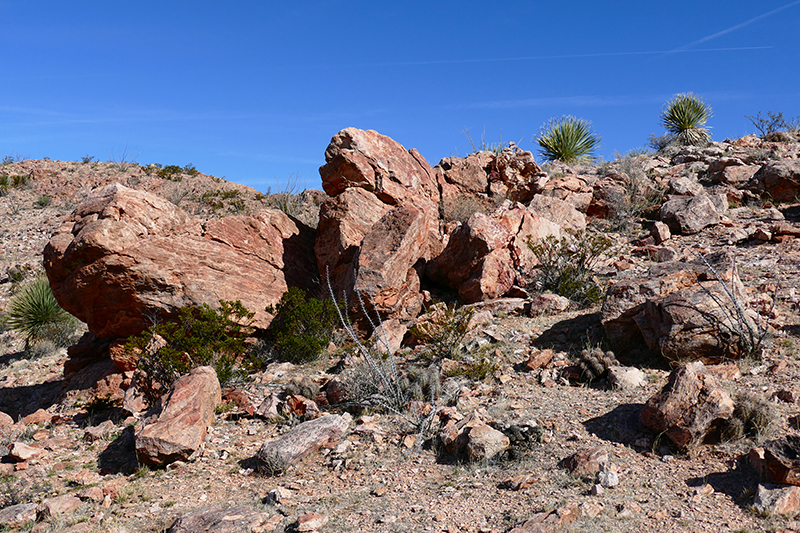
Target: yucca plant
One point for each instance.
(35, 313)
(684, 116)
(568, 139)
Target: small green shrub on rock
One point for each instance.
(201, 336)
(302, 326)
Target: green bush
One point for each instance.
(444, 330)
(302, 326)
(568, 139)
(684, 116)
(567, 265)
(170, 172)
(35, 313)
(201, 336)
(43, 201)
(4, 184)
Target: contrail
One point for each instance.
(732, 28)
(568, 56)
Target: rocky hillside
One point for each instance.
(657, 392)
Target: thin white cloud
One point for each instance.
(686, 47)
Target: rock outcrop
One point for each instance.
(381, 221)
(125, 255)
(483, 255)
(779, 180)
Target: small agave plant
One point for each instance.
(568, 139)
(684, 116)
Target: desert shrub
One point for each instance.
(20, 180)
(640, 196)
(477, 366)
(773, 123)
(753, 416)
(444, 330)
(43, 201)
(567, 265)
(191, 170)
(4, 184)
(683, 118)
(568, 139)
(200, 336)
(302, 326)
(170, 172)
(87, 159)
(495, 148)
(35, 313)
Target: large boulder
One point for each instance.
(691, 408)
(381, 222)
(183, 422)
(780, 180)
(687, 215)
(483, 255)
(125, 257)
(680, 310)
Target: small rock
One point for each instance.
(597, 489)
(61, 504)
(310, 522)
(99, 432)
(17, 515)
(626, 377)
(380, 490)
(591, 509)
(608, 476)
(586, 461)
(38, 417)
(22, 452)
(660, 232)
(219, 520)
(777, 499)
(94, 494)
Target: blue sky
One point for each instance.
(254, 90)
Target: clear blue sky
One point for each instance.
(254, 90)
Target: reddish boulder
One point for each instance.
(780, 180)
(483, 255)
(679, 310)
(690, 408)
(687, 215)
(183, 422)
(125, 255)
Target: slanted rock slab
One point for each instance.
(304, 439)
(183, 422)
(240, 519)
(782, 460)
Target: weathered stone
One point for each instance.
(40, 416)
(310, 522)
(383, 267)
(586, 461)
(777, 499)
(6, 423)
(18, 515)
(683, 186)
(484, 442)
(182, 424)
(123, 358)
(782, 460)
(22, 452)
(780, 180)
(626, 377)
(559, 211)
(64, 504)
(99, 432)
(550, 521)
(690, 408)
(671, 310)
(303, 440)
(689, 215)
(660, 232)
(220, 520)
(125, 255)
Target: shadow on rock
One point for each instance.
(18, 402)
(740, 484)
(622, 424)
(119, 457)
(573, 334)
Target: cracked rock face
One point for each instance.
(126, 255)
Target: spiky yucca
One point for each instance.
(35, 313)
(684, 116)
(568, 139)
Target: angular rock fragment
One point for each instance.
(303, 440)
(240, 519)
(183, 422)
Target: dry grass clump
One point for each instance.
(753, 417)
